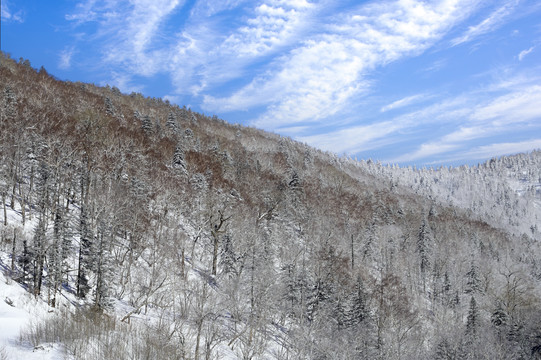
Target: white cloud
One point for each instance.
(425, 151)
(313, 83)
(86, 11)
(134, 43)
(123, 82)
(499, 149)
(8, 14)
(492, 22)
(205, 50)
(314, 66)
(218, 52)
(128, 30)
(435, 66)
(403, 102)
(65, 58)
(523, 53)
(514, 111)
(355, 139)
(276, 23)
(466, 133)
(319, 78)
(493, 150)
(208, 8)
(517, 106)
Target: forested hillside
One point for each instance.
(505, 192)
(154, 232)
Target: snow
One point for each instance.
(17, 309)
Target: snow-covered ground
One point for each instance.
(17, 310)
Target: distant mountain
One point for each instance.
(505, 192)
(152, 231)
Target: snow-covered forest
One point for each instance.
(145, 230)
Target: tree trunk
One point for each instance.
(38, 274)
(79, 269)
(198, 339)
(22, 202)
(5, 208)
(182, 263)
(352, 253)
(13, 248)
(215, 254)
(12, 201)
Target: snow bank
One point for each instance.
(17, 309)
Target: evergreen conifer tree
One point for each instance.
(171, 123)
(444, 351)
(423, 241)
(227, 256)
(358, 310)
(472, 321)
(85, 253)
(178, 158)
(473, 281)
(102, 267)
(109, 108)
(146, 125)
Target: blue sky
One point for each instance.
(408, 82)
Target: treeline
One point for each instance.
(243, 242)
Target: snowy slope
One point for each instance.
(18, 309)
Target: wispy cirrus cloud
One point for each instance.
(274, 25)
(8, 14)
(404, 102)
(355, 139)
(311, 83)
(134, 46)
(489, 151)
(483, 115)
(64, 59)
(490, 23)
(393, 130)
(523, 53)
(203, 49)
(315, 63)
(210, 52)
(514, 107)
(319, 78)
(512, 112)
(499, 149)
(127, 31)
